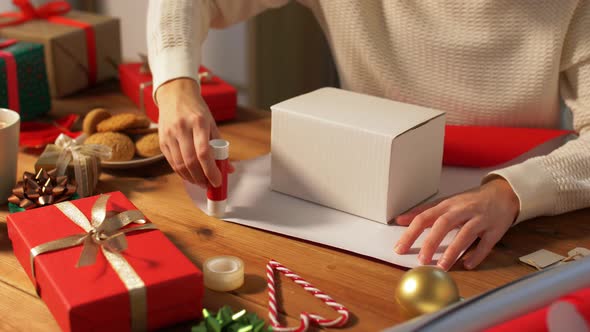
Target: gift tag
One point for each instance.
(541, 259)
(578, 253)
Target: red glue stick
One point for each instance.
(217, 197)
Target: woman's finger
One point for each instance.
(175, 159)
(466, 236)
(190, 160)
(486, 243)
(417, 226)
(205, 155)
(442, 226)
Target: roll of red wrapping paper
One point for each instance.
(217, 196)
(481, 147)
(540, 320)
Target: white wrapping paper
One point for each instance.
(252, 203)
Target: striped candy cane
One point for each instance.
(306, 318)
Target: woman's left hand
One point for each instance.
(486, 212)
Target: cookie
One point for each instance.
(140, 131)
(148, 145)
(121, 145)
(123, 121)
(93, 118)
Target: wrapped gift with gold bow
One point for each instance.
(80, 162)
(100, 265)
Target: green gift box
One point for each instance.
(23, 79)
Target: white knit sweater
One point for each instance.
(484, 62)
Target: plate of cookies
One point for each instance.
(132, 137)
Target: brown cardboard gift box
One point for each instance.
(68, 41)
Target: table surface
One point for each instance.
(365, 286)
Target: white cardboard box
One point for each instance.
(368, 156)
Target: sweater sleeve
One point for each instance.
(560, 181)
(177, 28)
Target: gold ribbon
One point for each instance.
(71, 150)
(104, 234)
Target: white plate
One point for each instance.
(133, 163)
(137, 162)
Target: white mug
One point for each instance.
(9, 133)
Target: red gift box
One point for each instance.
(220, 96)
(94, 297)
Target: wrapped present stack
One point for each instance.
(23, 79)
(117, 272)
(81, 49)
(136, 83)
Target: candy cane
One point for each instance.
(306, 318)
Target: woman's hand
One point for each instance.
(186, 126)
(486, 212)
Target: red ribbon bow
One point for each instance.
(29, 12)
(36, 134)
(52, 12)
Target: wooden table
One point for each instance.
(364, 285)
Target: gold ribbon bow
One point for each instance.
(71, 150)
(107, 235)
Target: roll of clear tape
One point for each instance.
(223, 273)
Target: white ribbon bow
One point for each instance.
(72, 150)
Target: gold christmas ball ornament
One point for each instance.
(426, 289)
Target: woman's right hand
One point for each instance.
(185, 128)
